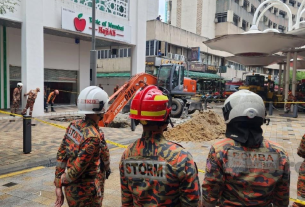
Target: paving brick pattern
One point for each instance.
(36, 188)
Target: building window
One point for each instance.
(221, 17)
(245, 5)
(236, 1)
(281, 28)
(244, 25)
(299, 4)
(235, 19)
(151, 48)
(275, 10)
(282, 14)
(291, 3)
(253, 9)
(274, 25)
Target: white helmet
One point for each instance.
(243, 104)
(92, 100)
(19, 84)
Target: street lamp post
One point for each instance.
(93, 52)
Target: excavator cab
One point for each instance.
(171, 77)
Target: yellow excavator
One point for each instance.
(257, 84)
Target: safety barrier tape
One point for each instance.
(113, 143)
(297, 201)
(68, 91)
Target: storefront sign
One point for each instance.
(167, 61)
(106, 28)
(211, 69)
(198, 67)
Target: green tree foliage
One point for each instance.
(8, 5)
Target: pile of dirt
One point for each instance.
(205, 126)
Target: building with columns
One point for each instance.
(47, 43)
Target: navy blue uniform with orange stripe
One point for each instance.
(81, 151)
(156, 172)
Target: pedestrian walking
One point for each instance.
(32, 95)
(83, 156)
(154, 171)
(245, 169)
(116, 88)
(301, 178)
(51, 99)
(16, 98)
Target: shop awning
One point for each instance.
(192, 74)
(112, 75)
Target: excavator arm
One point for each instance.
(125, 94)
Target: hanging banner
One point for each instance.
(106, 28)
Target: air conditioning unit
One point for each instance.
(170, 55)
(182, 58)
(177, 57)
(216, 20)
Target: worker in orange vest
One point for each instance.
(51, 98)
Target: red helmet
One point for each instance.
(150, 104)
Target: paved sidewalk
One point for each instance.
(46, 140)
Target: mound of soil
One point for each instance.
(205, 126)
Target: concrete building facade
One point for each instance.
(47, 43)
(213, 18)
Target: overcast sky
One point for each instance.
(162, 8)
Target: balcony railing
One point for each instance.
(115, 7)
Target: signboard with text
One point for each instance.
(106, 28)
(197, 67)
(211, 69)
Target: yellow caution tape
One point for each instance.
(297, 201)
(116, 144)
(202, 171)
(68, 91)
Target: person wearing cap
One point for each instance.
(154, 171)
(51, 98)
(32, 95)
(245, 169)
(83, 161)
(16, 98)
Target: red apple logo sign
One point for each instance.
(79, 23)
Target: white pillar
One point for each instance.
(280, 79)
(294, 73)
(138, 17)
(287, 76)
(84, 65)
(32, 52)
(284, 78)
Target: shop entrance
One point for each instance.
(63, 80)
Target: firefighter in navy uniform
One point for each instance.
(154, 171)
(245, 169)
(83, 157)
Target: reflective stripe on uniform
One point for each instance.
(153, 113)
(61, 164)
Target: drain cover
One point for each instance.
(10, 184)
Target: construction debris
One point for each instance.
(205, 126)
